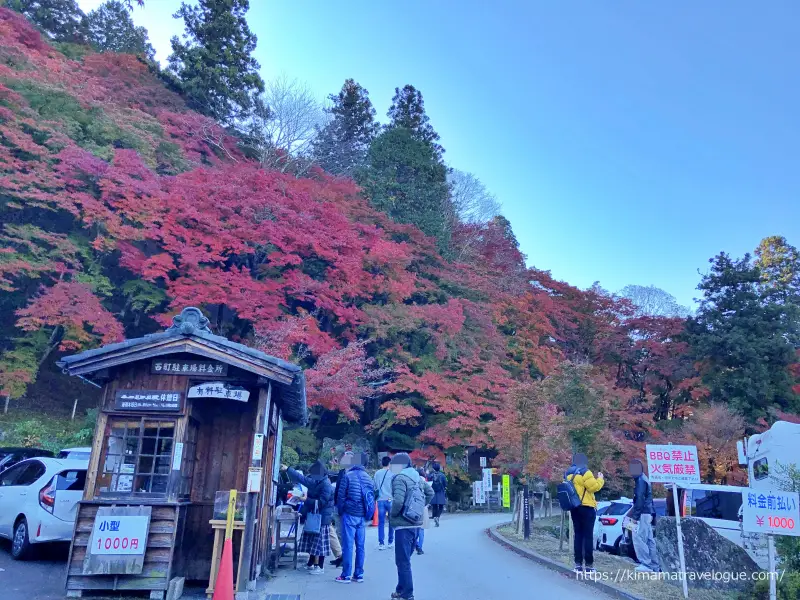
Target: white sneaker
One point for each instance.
(315, 570)
(390, 545)
(381, 547)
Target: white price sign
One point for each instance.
(483, 461)
(119, 535)
(769, 511)
(672, 464)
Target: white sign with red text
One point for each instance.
(672, 464)
(768, 511)
(119, 535)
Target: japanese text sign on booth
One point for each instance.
(766, 511)
(673, 464)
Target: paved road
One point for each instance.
(40, 579)
(460, 562)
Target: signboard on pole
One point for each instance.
(483, 461)
(769, 511)
(487, 480)
(477, 492)
(506, 491)
(672, 464)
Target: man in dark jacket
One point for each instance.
(439, 485)
(355, 490)
(642, 519)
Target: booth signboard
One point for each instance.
(118, 541)
(188, 367)
(771, 511)
(148, 400)
(672, 464)
(218, 389)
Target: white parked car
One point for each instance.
(610, 524)
(39, 501)
(75, 453)
(602, 507)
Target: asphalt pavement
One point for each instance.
(460, 563)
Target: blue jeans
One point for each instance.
(353, 531)
(404, 541)
(384, 506)
(420, 537)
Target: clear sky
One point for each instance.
(628, 141)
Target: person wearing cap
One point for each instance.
(583, 516)
(405, 535)
(319, 500)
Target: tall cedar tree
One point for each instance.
(405, 179)
(214, 63)
(405, 176)
(741, 337)
(779, 263)
(62, 20)
(341, 146)
(111, 29)
(408, 111)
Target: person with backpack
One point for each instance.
(410, 499)
(439, 485)
(355, 503)
(318, 512)
(642, 516)
(383, 491)
(582, 508)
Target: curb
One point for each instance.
(611, 590)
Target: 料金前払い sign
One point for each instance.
(672, 464)
(771, 511)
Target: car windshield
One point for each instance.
(618, 509)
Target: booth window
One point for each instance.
(137, 457)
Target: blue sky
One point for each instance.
(628, 142)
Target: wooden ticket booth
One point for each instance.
(184, 414)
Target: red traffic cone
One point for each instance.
(223, 588)
(375, 516)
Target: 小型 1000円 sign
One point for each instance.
(118, 541)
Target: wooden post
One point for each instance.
(5, 408)
(561, 533)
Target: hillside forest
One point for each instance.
(343, 241)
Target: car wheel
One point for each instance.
(616, 545)
(20, 542)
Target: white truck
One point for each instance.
(771, 456)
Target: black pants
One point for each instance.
(437, 510)
(583, 534)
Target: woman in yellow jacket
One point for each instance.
(583, 516)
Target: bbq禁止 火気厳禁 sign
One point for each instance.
(188, 367)
(155, 400)
(672, 464)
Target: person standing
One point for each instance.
(337, 524)
(355, 504)
(642, 519)
(583, 516)
(320, 501)
(406, 481)
(383, 493)
(439, 485)
(421, 530)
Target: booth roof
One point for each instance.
(288, 378)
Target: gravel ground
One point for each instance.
(615, 570)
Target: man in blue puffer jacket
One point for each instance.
(351, 505)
